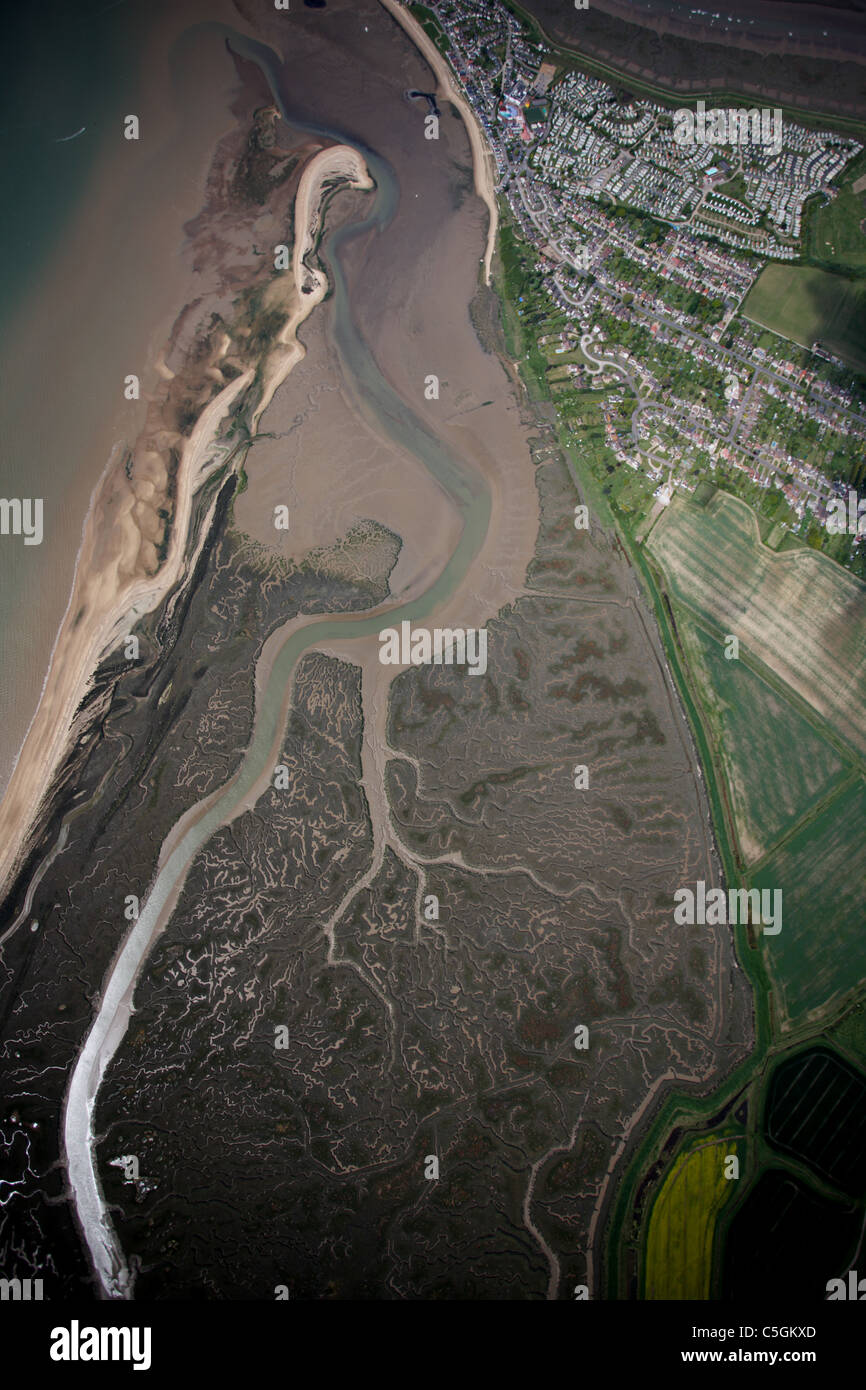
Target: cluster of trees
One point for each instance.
(649, 232)
(676, 296)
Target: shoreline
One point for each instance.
(612, 69)
(74, 658)
(104, 301)
(483, 165)
(508, 529)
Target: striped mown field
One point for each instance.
(820, 955)
(798, 613)
(778, 765)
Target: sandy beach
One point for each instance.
(483, 164)
(118, 576)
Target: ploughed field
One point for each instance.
(816, 1111)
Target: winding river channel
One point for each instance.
(468, 491)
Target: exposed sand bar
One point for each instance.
(338, 163)
(483, 163)
(104, 605)
(109, 1026)
(104, 305)
(107, 599)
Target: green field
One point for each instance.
(799, 617)
(820, 955)
(809, 305)
(786, 723)
(431, 27)
(850, 1034)
(777, 766)
(526, 310)
(834, 234)
(783, 748)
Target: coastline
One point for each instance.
(484, 169)
(484, 590)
